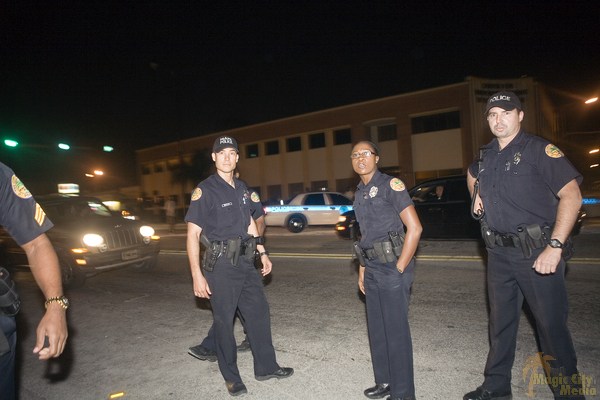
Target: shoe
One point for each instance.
(236, 388)
(379, 391)
(279, 374)
(482, 394)
(244, 346)
(403, 398)
(202, 353)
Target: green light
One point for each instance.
(64, 146)
(108, 148)
(11, 143)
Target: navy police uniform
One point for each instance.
(24, 220)
(377, 206)
(518, 187)
(256, 211)
(223, 212)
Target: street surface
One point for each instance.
(130, 331)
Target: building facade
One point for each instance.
(420, 135)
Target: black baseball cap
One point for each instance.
(506, 100)
(225, 142)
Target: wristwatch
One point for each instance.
(62, 300)
(264, 253)
(557, 244)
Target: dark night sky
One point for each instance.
(137, 74)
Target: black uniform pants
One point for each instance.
(387, 293)
(240, 287)
(511, 279)
(8, 328)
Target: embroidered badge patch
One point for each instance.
(197, 194)
(19, 189)
(255, 197)
(373, 191)
(397, 185)
(40, 215)
(553, 151)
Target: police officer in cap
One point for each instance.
(220, 209)
(386, 271)
(528, 195)
(26, 222)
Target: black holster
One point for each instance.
(360, 253)
(487, 234)
(397, 242)
(233, 250)
(212, 253)
(384, 251)
(10, 303)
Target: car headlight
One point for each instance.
(342, 218)
(146, 231)
(93, 240)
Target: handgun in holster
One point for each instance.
(212, 253)
(397, 242)
(10, 303)
(233, 250)
(250, 247)
(487, 234)
(360, 253)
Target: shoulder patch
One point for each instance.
(553, 151)
(196, 194)
(397, 185)
(255, 198)
(19, 189)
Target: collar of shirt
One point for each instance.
(374, 179)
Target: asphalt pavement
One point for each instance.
(130, 331)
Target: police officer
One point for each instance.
(26, 222)
(528, 193)
(207, 350)
(382, 205)
(220, 209)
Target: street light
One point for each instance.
(591, 100)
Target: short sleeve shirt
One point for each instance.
(222, 211)
(256, 207)
(20, 214)
(519, 184)
(378, 206)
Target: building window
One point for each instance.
(342, 136)
(386, 132)
(294, 144)
(295, 188)
(274, 193)
(159, 167)
(272, 147)
(436, 122)
(317, 186)
(172, 164)
(317, 140)
(252, 151)
(146, 168)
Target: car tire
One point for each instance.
(145, 265)
(296, 223)
(72, 275)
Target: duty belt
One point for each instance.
(506, 239)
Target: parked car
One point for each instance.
(444, 209)
(89, 238)
(312, 208)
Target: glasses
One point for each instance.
(359, 154)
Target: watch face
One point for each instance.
(555, 243)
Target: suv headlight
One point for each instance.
(146, 231)
(342, 218)
(93, 240)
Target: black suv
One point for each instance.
(89, 238)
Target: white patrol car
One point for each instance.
(313, 208)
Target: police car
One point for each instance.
(89, 238)
(312, 208)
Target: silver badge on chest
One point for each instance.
(517, 158)
(373, 191)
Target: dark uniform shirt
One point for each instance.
(519, 184)
(20, 215)
(378, 206)
(222, 211)
(256, 207)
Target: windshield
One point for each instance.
(75, 210)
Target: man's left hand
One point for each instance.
(547, 262)
(54, 326)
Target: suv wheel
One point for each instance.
(145, 265)
(296, 223)
(72, 276)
